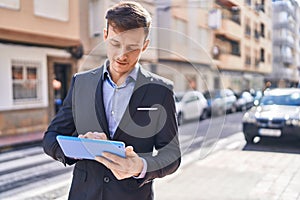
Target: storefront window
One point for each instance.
(25, 81)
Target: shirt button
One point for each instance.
(106, 179)
(112, 112)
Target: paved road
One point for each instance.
(30, 174)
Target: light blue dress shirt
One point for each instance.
(116, 99)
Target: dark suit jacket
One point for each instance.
(144, 130)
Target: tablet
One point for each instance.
(83, 148)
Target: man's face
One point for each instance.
(124, 48)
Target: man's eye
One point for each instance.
(132, 48)
(115, 44)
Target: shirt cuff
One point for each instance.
(143, 173)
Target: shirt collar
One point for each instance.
(133, 74)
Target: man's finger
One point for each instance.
(112, 157)
(129, 151)
(107, 163)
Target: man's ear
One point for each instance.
(105, 34)
(146, 43)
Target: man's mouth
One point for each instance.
(121, 63)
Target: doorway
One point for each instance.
(61, 79)
(60, 72)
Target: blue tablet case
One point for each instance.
(82, 148)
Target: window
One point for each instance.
(262, 30)
(95, 16)
(180, 36)
(53, 9)
(25, 80)
(262, 55)
(248, 61)
(11, 4)
(248, 2)
(235, 48)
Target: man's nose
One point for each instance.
(122, 54)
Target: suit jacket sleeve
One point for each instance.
(62, 124)
(168, 157)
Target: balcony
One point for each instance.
(284, 42)
(229, 3)
(41, 23)
(281, 6)
(230, 29)
(230, 62)
(284, 59)
(284, 25)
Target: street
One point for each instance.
(30, 174)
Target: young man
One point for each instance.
(119, 101)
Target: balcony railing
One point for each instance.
(280, 41)
(230, 62)
(284, 59)
(284, 25)
(231, 13)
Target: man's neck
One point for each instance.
(118, 78)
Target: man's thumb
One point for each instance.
(129, 151)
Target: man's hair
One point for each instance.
(128, 15)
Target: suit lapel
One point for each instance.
(138, 94)
(99, 105)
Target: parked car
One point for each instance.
(257, 96)
(220, 101)
(190, 105)
(244, 101)
(277, 115)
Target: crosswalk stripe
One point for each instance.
(22, 162)
(50, 188)
(12, 155)
(31, 174)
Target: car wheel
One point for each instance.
(180, 119)
(233, 109)
(244, 108)
(204, 114)
(249, 139)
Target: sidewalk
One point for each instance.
(7, 142)
(234, 174)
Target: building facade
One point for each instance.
(215, 44)
(243, 43)
(285, 43)
(40, 46)
(199, 45)
(184, 40)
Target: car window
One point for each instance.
(289, 100)
(178, 98)
(191, 99)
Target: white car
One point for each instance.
(221, 101)
(190, 105)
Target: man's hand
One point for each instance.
(122, 168)
(94, 135)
